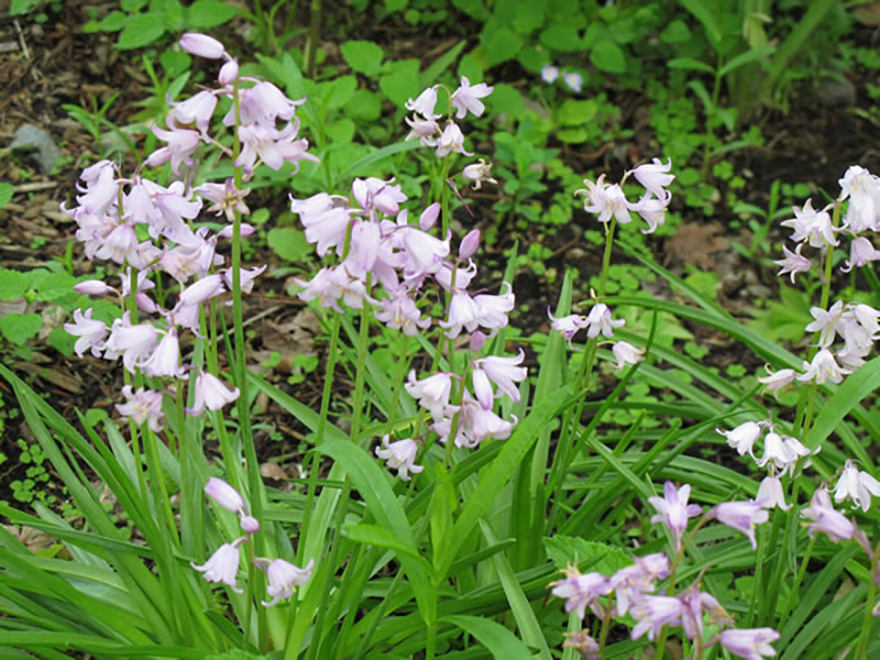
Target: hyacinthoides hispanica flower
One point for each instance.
(147, 229)
(646, 589)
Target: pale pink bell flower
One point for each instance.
(91, 333)
(793, 262)
(467, 98)
(202, 45)
(400, 456)
(210, 393)
(752, 644)
(626, 353)
(142, 406)
(856, 485)
(283, 578)
(743, 516)
(223, 565)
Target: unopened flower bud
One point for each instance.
(202, 45)
(228, 72)
(478, 340)
(429, 217)
(93, 288)
(224, 495)
(469, 245)
(250, 525)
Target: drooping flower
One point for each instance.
(424, 104)
(863, 191)
(224, 495)
(91, 333)
(770, 494)
(504, 372)
(823, 367)
(599, 321)
(283, 578)
(752, 644)
(856, 485)
(743, 437)
(226, 197)
(567, 326)
(581, 591)
(826, 323)
(165, 359)
(655, 176)
(451, 140)
(631, 582)
(606, 201)
(653, 612)
(776, 380)
(223, 564)
(479, 173)
(432, 393)
(626, 354)
(400, 456)
(210, 393)
(743, 516)
(467, 98)
(793, 262)
(812, 225)
(142, 406)
(826, 519)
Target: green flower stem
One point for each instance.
(606, 257)
(127, 379)
(606, 624)
(255, 484)
(402, 364)
(361, 370)
(867, 622)
(758, 590)
(795, 588)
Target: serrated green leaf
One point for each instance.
(18, 328)
(503, 45)
(140, 31)
(209, 13)
(561, 37)
(13, 284)
(289, 243)
(608, 56)
(363, 56)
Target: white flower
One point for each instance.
(743, 437)
(776, 380)
(504, 372)
(822, 368)
(549, 73)
(654, 176)
(793, 263)
(223, 565)
(468, 97)
(856, 485)
(626, 354)
(599, 320)
(211, 393)
(770, 494)
(812, 225)
(400, 456)
(573, 80)
(283, 578)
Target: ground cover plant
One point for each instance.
(478, 473)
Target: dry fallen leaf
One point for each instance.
(33, 539)
(695, 244)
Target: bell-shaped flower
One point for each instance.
(451, 139)
(202, 290)
(605, 201)
(399, 312)
(424, 104)
(793, 262)
(812, 225)
(264, 104)
(283, 578)
(752, 644)
(325, 223)
(247, 277)
(743, 516)
(432, 393)
(476, 424)
(504, 372)
(581, 590)
(467, 98)
(695, 604)
(631, 582)
(165, 360)
(425, 130)
(599, 321)
(777, 451)
(856, 485)
(826, 323)
(202, 45)
(567, 326)
(383, 196)
(861, 253)
(181, 144)
(825, 519)
(673, 510)
(770, 494)
(142, 406)
(743, 437)
(626, 354)
(652, 613)
(491, 311)
(223, 564)
(93, 288)
(91, 333)
(653, 211)
(134, 342)
(479, 173)
(863, 191)
(328, 286)
(654, 176)
(400, 456)
(823, 367)
(211, 393)
(196, 110)
(776, 380)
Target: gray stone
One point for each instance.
(30, 138)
